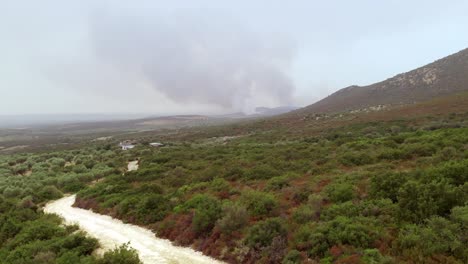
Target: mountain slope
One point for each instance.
(442, 77)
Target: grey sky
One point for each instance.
(94, 56)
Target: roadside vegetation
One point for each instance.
(27, 181)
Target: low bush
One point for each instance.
(356, 158)
(262, 172)
(50, 193)
(438, 236)
(278, 183)
(418, 201)
(358, 232)
(304, 214)
(386, 185)
(347, 209)
(259, 203)
(263, 233)
(235, 217)
(207, 210)
(292, 257)
(153, 208)
(340, 192)
(121, 255)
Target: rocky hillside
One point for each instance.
(443, 77)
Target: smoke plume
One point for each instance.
(192, 59)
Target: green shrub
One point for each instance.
(220, 185)
(263, 171)
(418, 201)
(70, 183)
(235, 217)
(356, 158)
(263, 233)
(20, 168)
(340, 192)
(293, 257)
(204, 219)
(459, 214)
(372, 256)
(127, 206)
(37, 230)
(207, 210)
(302, 237)
(391, 154)
(235, 173)
(347, 209)
(50, 193)
(79, 168)
(58, 162)
(152, 188)
(384, 209)
(304, 214)
(455, 171)
(386, 185)
(419, 149)
(153, 208)
(447, 153)
(439, 236)
(12, 192)
(121, 255)
(278, 183)
(358, 232)
(300, 194)
(259, 203)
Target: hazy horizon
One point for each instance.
(154, 57)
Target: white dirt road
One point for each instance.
(112, 232)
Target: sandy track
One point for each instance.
(133, 165)
(112, 232)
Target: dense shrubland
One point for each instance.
(388, 192)
(380, 192)
(27, 181)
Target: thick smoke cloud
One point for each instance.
(191, 59)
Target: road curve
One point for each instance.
(112, 232)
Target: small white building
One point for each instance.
(127, 147)
(156, 144)
(127, 144)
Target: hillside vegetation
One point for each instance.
(391, 191)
